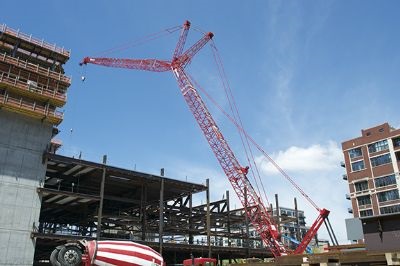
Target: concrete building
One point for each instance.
(372, 164)
(32, 87)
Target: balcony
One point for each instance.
(32, 90)
(29, 39)
(344, 176)
(348, 196)
(342, 164)
(35, 68)
(350, 210)
(31, 109)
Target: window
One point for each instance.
(390, 209)
(361, 186)
(388, 195)
(396, 142)
(364, 200)
(382, 159)
(385, 181)
(356, 152)
(366, 213)
(357, 166)
(378, 146)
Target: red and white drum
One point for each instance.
(122, 253)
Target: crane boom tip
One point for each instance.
(84, 61)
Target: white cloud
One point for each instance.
(314, 158)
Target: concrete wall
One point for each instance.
(22, 143)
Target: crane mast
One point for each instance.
(236, 173)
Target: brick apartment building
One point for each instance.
(372, 164)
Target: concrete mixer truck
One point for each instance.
(87, 253)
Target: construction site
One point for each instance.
(53, 206)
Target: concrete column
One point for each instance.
(278, 213)
(208, 218)
(229, 223)
(100, 213)
(298, 236)
(246, 240)
(161, 226)
(190, 219)
(143, 213)
(22, 170)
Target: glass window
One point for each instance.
(378, 146)
(385, 181)
(356, 152)
(388, 195)
(390, 209)
(357, 166)
(366, 213)
(396, 142)
(361, 186)
(382, 159)
(364, 200)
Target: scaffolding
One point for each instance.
(32, 80)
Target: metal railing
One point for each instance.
(35, 68)
(38, 89)
(20, 103)
(29, 38)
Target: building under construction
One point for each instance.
(87, 200)
(48, 199)
(32, 88)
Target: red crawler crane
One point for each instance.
(236, 173)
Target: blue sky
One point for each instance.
(306, 76)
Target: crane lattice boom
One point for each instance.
(236, 173)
